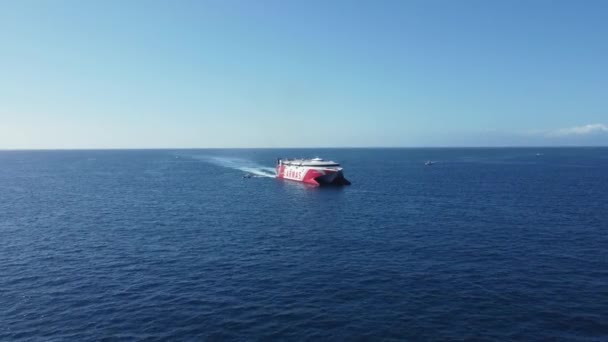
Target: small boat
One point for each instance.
(248, 175)
(428, 162)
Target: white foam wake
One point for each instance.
(258, 171)
(241, 165)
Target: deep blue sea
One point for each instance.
(487, 244)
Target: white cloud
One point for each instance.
(579, 130)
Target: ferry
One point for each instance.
(314, 171)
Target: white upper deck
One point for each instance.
(314, 162)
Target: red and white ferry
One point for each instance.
(314, 171)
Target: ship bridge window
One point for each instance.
(321, 164)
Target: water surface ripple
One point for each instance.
(491, 244)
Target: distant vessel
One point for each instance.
(428, 162)
(314, 171)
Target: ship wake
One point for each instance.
(244, 165)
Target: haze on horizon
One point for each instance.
(190, 74)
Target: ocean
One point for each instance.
(485, 244)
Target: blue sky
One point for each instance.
(146, 74)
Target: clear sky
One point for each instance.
(146, 74)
